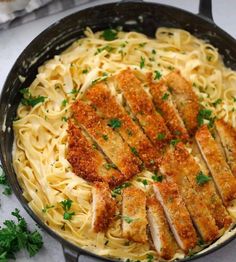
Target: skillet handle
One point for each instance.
(70, 255)
(205, 9)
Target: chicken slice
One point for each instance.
(221, 173)
(178, 163)
(163, 100)
(142, 107)
(185, 99)
(103, 207)
(162, 236)
(227, 136)
(134, 219)
(176, 170)
(177, 214)
(109, 140)
(101, 97)
(87, 162)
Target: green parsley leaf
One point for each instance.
(234, 98)
(150, 258)
(85, 71)
(32, 101)
(105, 137)
(145, 182)
(66, 204)
(158, 75)
(64, 118)
(157, 178)
(15, 236)
(161, 136)
(165, 96)
(217, 102)
(134, 151)
(204, 114)
(3, 181)
(117, 190)
(24, 91)
(114, 123)
(64, 102)
(109, 34)
(142, 62)
(209, 58)
(7, 191)
(68, 215)
(154, 51)
(108, 166)
(202, 179)
(45, 209)
(174, 142)
(128, 219)
(74, 91)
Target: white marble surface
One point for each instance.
(13, 41)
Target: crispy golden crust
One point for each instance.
(185, 99)
(104, 207)
(179, 163)
(175, 210)
(163, 100)
(102, 99)
(228, 138)
(221, 173)
(86, 161)
(110, 141)
(141, 105)
(134, 208)
(163, 239)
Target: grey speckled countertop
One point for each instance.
(13, 41)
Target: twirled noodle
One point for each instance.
(39, 155)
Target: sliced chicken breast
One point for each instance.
(185, 99)
(134, 220)
(221, 173)
(163, 100)
(200, 214)
(168, 195)
(227, 136)
(179, 163)
(162, 236)
(87, 162)
(103, 207)
(109, 140)
(142, 107)
(101, 97)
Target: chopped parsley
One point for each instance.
(154, 51)
(107, 48)
(209, 58)
(108, 166)
(234, 98)
(3, 181)
(32, 101)
(128, 219)
(161, 136)
(142, 44)
(150, 258)
(217, 102)
(158, 75)
(174, 142)
(64, 102)
(145, 182)
(74, 91)
(134, 151)
(105, 137)
(205, 114)
(45, 209)
(117, 190)
(66, 205)
(15, 236)
(114, 123)
(85, 71)
(202, 179)
(64, 118)
(142, 62)
(165, 96)
(109, 34)
(157, 178)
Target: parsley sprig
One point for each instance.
(3, 181)
(114, 123)
(117, 191)
(202, 179)
(29, 100)
(109, 34)
(15, 236)
(66, 205)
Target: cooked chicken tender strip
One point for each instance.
(134, 219)
(109, 140)
(185, 99)
(163, 100)
(176, 170)
(142, 107)
(162, 236)
(177, 214)
(220, 171)
(103, 207)
(87, 162)
(179, 163)
(227, 136)
(101, 97)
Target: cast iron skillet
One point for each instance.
(147, 17)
